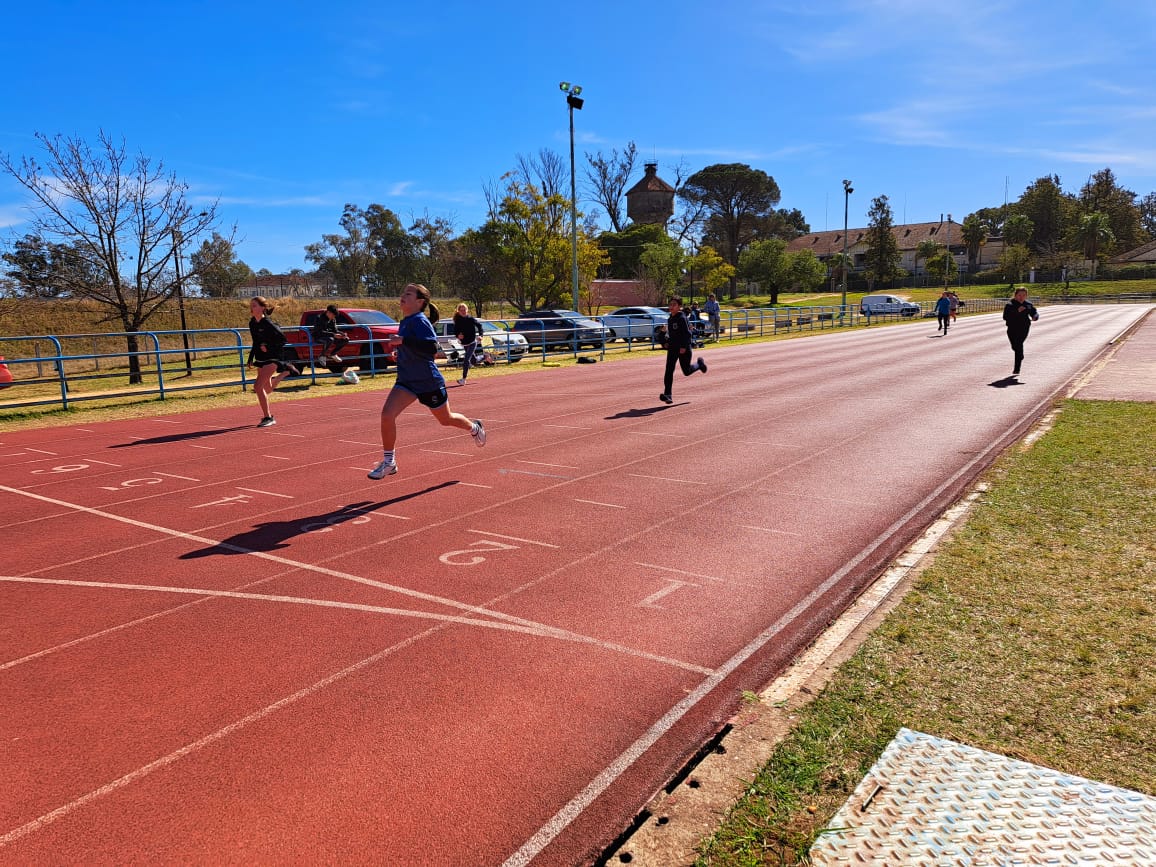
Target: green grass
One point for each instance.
(1032, 635)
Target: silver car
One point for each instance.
(635, 323)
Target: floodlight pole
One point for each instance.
(573, 102)
(181, 300)
(847, 191)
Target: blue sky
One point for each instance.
(284, 112)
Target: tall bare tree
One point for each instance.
(126, 217)
(607, 179)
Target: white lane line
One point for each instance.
(649, 601)
(646, 433)
(679, 571)
(277, 457)
(164, 421)
(567, 426)
(267, 493)
(85, 430)
(297, 436)
(270, 597)
(175, 476)
(544, 630)
(770, 443)
(42, 451)
(503, 471)
(514, 538)
(472, 485)
(359, 443)
(770, 530)
(668, 479)
(453, 454)
(95, 461)
(206, 448)
(596, 503)
(544, 464)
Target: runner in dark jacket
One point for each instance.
(1019, 314)
(678, 349)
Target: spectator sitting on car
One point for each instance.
(327, 336)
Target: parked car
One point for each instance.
(368, 332)
(879, 305)
(496, 343)
(635, 323)
(562, 328)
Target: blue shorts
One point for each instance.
(432, 399)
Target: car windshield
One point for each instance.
(489, 326)
(371, 317)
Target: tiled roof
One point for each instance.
(1143, 253)
(908, 236)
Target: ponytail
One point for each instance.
(431, 312)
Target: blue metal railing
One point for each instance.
(157, 365)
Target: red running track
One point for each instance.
(220, 644)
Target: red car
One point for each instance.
(368, 332)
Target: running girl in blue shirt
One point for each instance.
(418, 377)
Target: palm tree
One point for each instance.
(926, 249)
(1094, 232)
(974, 235)
(1017, 230)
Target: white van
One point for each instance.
(879, 305)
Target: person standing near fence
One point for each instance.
(266, 355)
(678, 349)
(713, 315)
(469, 332)
(418, 377)
(1019, 314)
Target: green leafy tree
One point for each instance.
(39, 269)
(711, 271)
(221, 272)
(883, 256)
(1103, 194)
(1148, 215)
(1050, 210)
(924, 250)
(660, 268)
(734, 198)
(1018, 229)
(1094, 234)
(1015, 260)
(764, 262)
(805, 273)
(122, 216)
(393, 251)
(347, 259)
(430, 238)
(624, 248)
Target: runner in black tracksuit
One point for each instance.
(678, 343)
(1019, 314)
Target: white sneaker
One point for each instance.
(321, 361)
(385, 468)
(461, 382)
(479, 433)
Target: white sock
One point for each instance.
(387, 457)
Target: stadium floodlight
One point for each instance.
(573, 102)
(847, 191)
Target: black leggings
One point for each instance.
(1016, 339)
(673, 357)
(468, 357)
(944, 320)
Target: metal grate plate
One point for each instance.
(930, 801)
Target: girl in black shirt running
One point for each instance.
(265, 355)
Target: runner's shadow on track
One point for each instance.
(180, 437)
(275, 535)
(641, 413)
(1005, 382)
